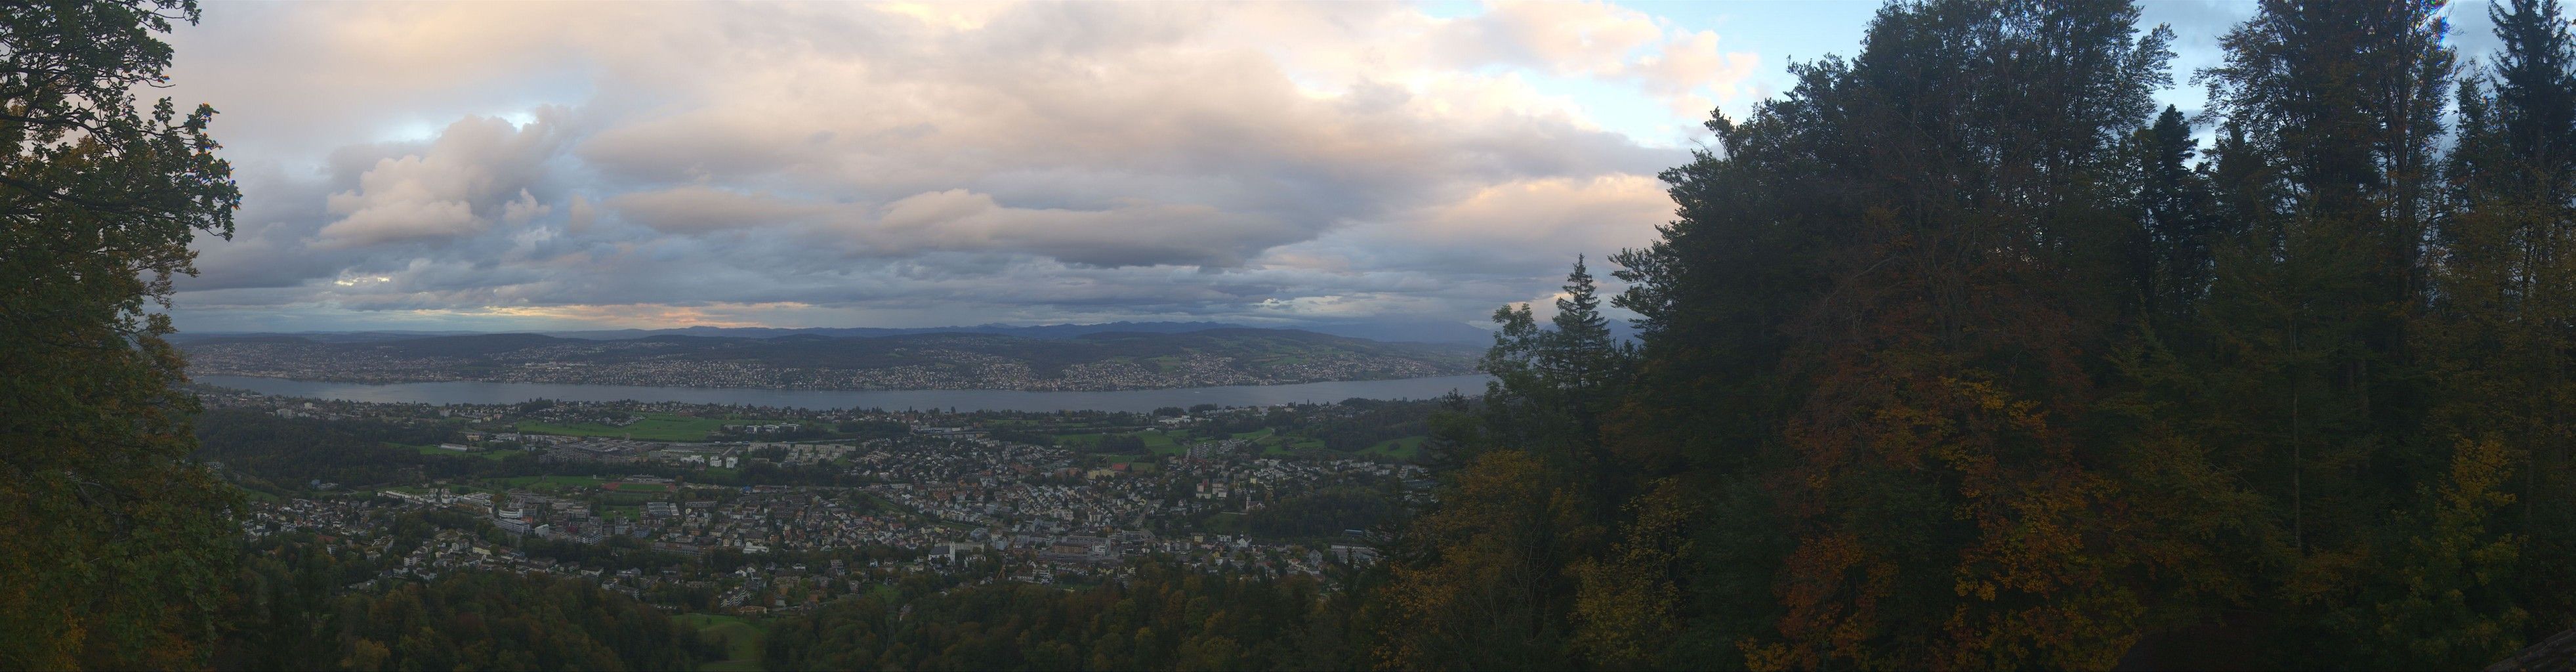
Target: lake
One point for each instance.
(963, 400)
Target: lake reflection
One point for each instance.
(963, 400)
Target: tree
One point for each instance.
(2497, 334)
(2312, 378)
(2452, 598)
(1483, 586)
(2178, 223)
(116, 544)
(1553, 384)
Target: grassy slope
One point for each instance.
(1403, 449)
(742, 639)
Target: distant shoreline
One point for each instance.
(720, 386)
(1141, 400)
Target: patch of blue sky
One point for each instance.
(1623, 108)
(1452, 9)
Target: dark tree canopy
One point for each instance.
(114, 542)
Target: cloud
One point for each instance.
(1130, 234)
(937, 163)
(1592, 38)
(1692, 62)
(697, 209)
(453, 189)
(1519, 229)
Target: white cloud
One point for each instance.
(697, 209)
(455, 188)
(1135, 233)
(985, 161)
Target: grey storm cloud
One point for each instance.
(946, 162)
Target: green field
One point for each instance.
(1274, 445)
(628, 499)
(654, 427)
(435, 450)
(741, 639)
(550, 483)
(642, 487)
(1403, 449)
(1160, 443)
(1227, 522)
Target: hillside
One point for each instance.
(1094, 361)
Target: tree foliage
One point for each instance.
(288, 611)
(1960, 354)
(1161, 619)
(113, 542)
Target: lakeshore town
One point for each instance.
(943, 369)
(782, 509)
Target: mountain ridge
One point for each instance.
(1409, 332)
(1098, 360)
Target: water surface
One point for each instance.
(963, 400)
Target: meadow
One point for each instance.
(741, 639)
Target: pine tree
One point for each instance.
(2177, 217)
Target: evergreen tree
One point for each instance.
(2178, 221)
(2505, 293)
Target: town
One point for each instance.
(774, 508)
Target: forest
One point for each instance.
(282, 613)
(1960, 353)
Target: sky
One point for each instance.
(545, 166)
